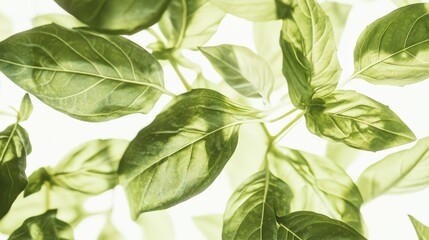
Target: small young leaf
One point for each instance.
(43, 227)
(14, 148)
(313, 226)
(36, 181)
(84, 74)
(310, 62)
(403, 171)
(25, 109)
(191, 25)
(210, 226)
(64, 20)
(252, 210)
(358, 121)
(116, 16)
(394, 50)
(248, 73)
(338, 14)
(421, 229)
(318, 185)
(179, 155)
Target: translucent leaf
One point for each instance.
(25, 109)
(401, 3)
(156, 225)
(421, 230)
(110, 232)
(210, 226)
(338, 14)
(64, 20)
(341, 154)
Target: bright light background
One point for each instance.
(54, 134)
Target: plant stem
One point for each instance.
(179, 74)
(154, 34)
(283, 115)
(47, 196)
(286, 128)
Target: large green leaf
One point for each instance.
(182, 151)
(318, 185)
(313, 226)
(190, 23)
(14, 148)
(394, 49)
(338, 14)
(248, 73)
(252, 211)
(68, 69)
(43, 227)
(116, 16)
(399, 172)
(358, 121)
(255, 10)
(310, 62)
(421, 229)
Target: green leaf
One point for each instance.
(421, 229)
(64, 20)
(116, 16)
(403, 171)
(45, 226)
(338, 14)
(25, 109)
(36, 181)
(318, 185)
(210, 225)
(5, 27)
(252, 210)
(14, 148)
(110, 232)
(179, 155)
(310, 62)
(358, 121)
(313, 226)
(190, 23)
(401, 3)
(248, 73)
(78, 67)
(156, 225)
(256, 10)
(394, 50)
(341, 154)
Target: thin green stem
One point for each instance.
(348, 80)
(283, 115)
(154, 34)
(265, 129)
(286, 128)
(179, 74)
(47, 196)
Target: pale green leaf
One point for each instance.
(252, 210)
(25, 109)
(394, 49)
(318, 185)
(421, 229)
(210, 226)
(179, 155)
(313, 226)
(116, 16)
(156, 225)
(14, 148)
(403, 171)
(401, 3)
(5, 27)
(358, 121)
(190, 23)
(246, 72)
(310, 62)
(64, 20)
(67, 69)
(43, 227)
(341, 154)
(338, 14)
(110, 232)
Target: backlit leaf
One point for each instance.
(182, 151)
(156, 225)
(68, 69)
(210, 226)
(36, 181)
(421, 229)
(5, 27)
(64, 20)
(25, 109)
(358, 121)
(338, 14)
(341, 154)
(110, 232)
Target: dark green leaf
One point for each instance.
(338, 14)
(421, 229)
(25, 109)
(68, 69)
(310, 62)
(394, 49)
(116, 16)
(314, 226)
(358, 121)
(190, 23)
(210, 226)
(318, 184)
(252, 210)
(36, 181)
(110, 232)
(64, 20)
(14, 148)
(403, 171)
(45, 226)
(182, 151)
(246, 72)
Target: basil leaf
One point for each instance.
(36, 181)
(310, 62)
(190, 23)
(358, 121)
(64, 20)
(257, 10)
(25, 109)
(252, 209)
(401, 3)
(116, 16)
(318, 185)
(210, 226)
(179, 155)
(338, 14)
(394, 50)
(45, 226)
(78, 67)
(156, 225)
(403, 171)
(341, 154)
(421, 230)
(248, 73)
(5, 27)
(14, 148)
(313, 226)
